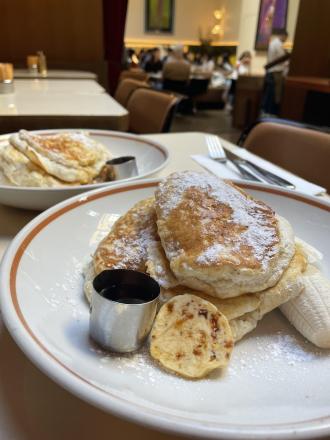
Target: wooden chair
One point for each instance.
(299, 148)
(138, 74)
(150, 111)
(125, 88)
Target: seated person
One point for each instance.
(154, 63)
(225, 64)
(243, 65)
(204, 66)
(176, 67)
(130, 58)
(207, 64)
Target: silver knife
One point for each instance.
(246, 167)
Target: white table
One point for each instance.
(31, 405)
(66, 103)
(56, 74)
(60, 104)
(34, 85)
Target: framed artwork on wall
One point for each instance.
(272, 14)
(159, 16)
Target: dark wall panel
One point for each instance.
(311, 49)
(68, 31)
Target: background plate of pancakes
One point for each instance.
(276, 385)
(151, 157)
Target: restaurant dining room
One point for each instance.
(164, 219)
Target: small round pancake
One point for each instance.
(125, 247)
(191, 337)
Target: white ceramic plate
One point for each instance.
(151, 157)
(277, 384)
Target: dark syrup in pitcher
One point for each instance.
(124, 293)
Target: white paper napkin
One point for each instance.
(227, 171)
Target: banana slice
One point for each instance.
(313, 255)
(191, 337)
(309, 312)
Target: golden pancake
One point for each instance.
(125, 247)
(243, 312)
(21, 171)
(133, 243)
(70, 157)
(217, 238)
(289, 287)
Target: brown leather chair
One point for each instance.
(301, 149)
(176, 76)
(125, 88)
(150, 111)
(176, 70)
(137, 74)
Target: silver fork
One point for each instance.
(217, 153)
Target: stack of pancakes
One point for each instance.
(54, 160)
(200, 235)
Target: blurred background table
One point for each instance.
(46, 85)
(55, 74)
(66, 103)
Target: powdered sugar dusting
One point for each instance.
(81, 138)
(126, 245)
(129, 253)
(281, 349)
(158, 266)
(210, 254)
(249, 213)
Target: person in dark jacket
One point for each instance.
(154, 63)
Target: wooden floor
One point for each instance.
(211, 121)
